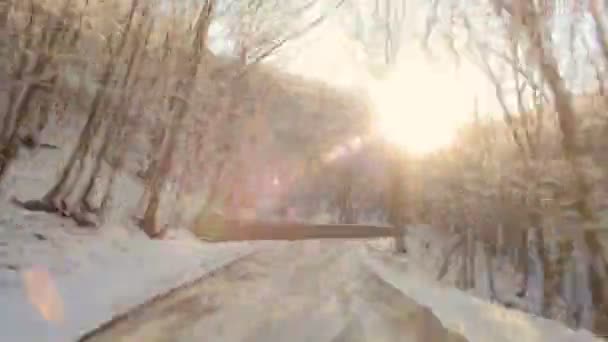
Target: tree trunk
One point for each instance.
(54, 199)
(24, 64)
(470, 259)
(524, 263)
(538, 275)
(36, 65)
(489, 263)
(396, 201)
(116, 130)
(117, 160)
(73, 169)
(463, 279)
(583, 300)
(85, 197)
(568, 288)
(567, 123)
(149, 221)
(149, 224)
(160, 173)
(500, 240)
(5, 6)
(344, 198)
(93, 121)
(17, 115)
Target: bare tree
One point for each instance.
(55, 200)
(32, 77)
(396, 202)
(527, 48)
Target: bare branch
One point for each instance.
(289, 37)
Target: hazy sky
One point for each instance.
(417, 91)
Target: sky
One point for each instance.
(417, 92)
(419, 103)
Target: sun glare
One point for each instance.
(420, 106)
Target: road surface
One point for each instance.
(293, 291)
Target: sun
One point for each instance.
(421, 106)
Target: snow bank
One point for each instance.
(474, 318)
(56, 283)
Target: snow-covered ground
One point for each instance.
(58, 281)
(427, 247)
(474, 318)
(58, 288)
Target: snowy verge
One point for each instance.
(477, 320)
(57, 281)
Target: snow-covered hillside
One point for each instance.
(58, 281)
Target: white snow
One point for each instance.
(71, 283)
(476, 319)
(58, 281)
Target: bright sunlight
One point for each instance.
(420, 106)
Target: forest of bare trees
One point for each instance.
(133, 68)
(525, 187)
(548, 189)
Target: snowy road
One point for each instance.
(293, 291)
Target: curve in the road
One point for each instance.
(299, 291)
